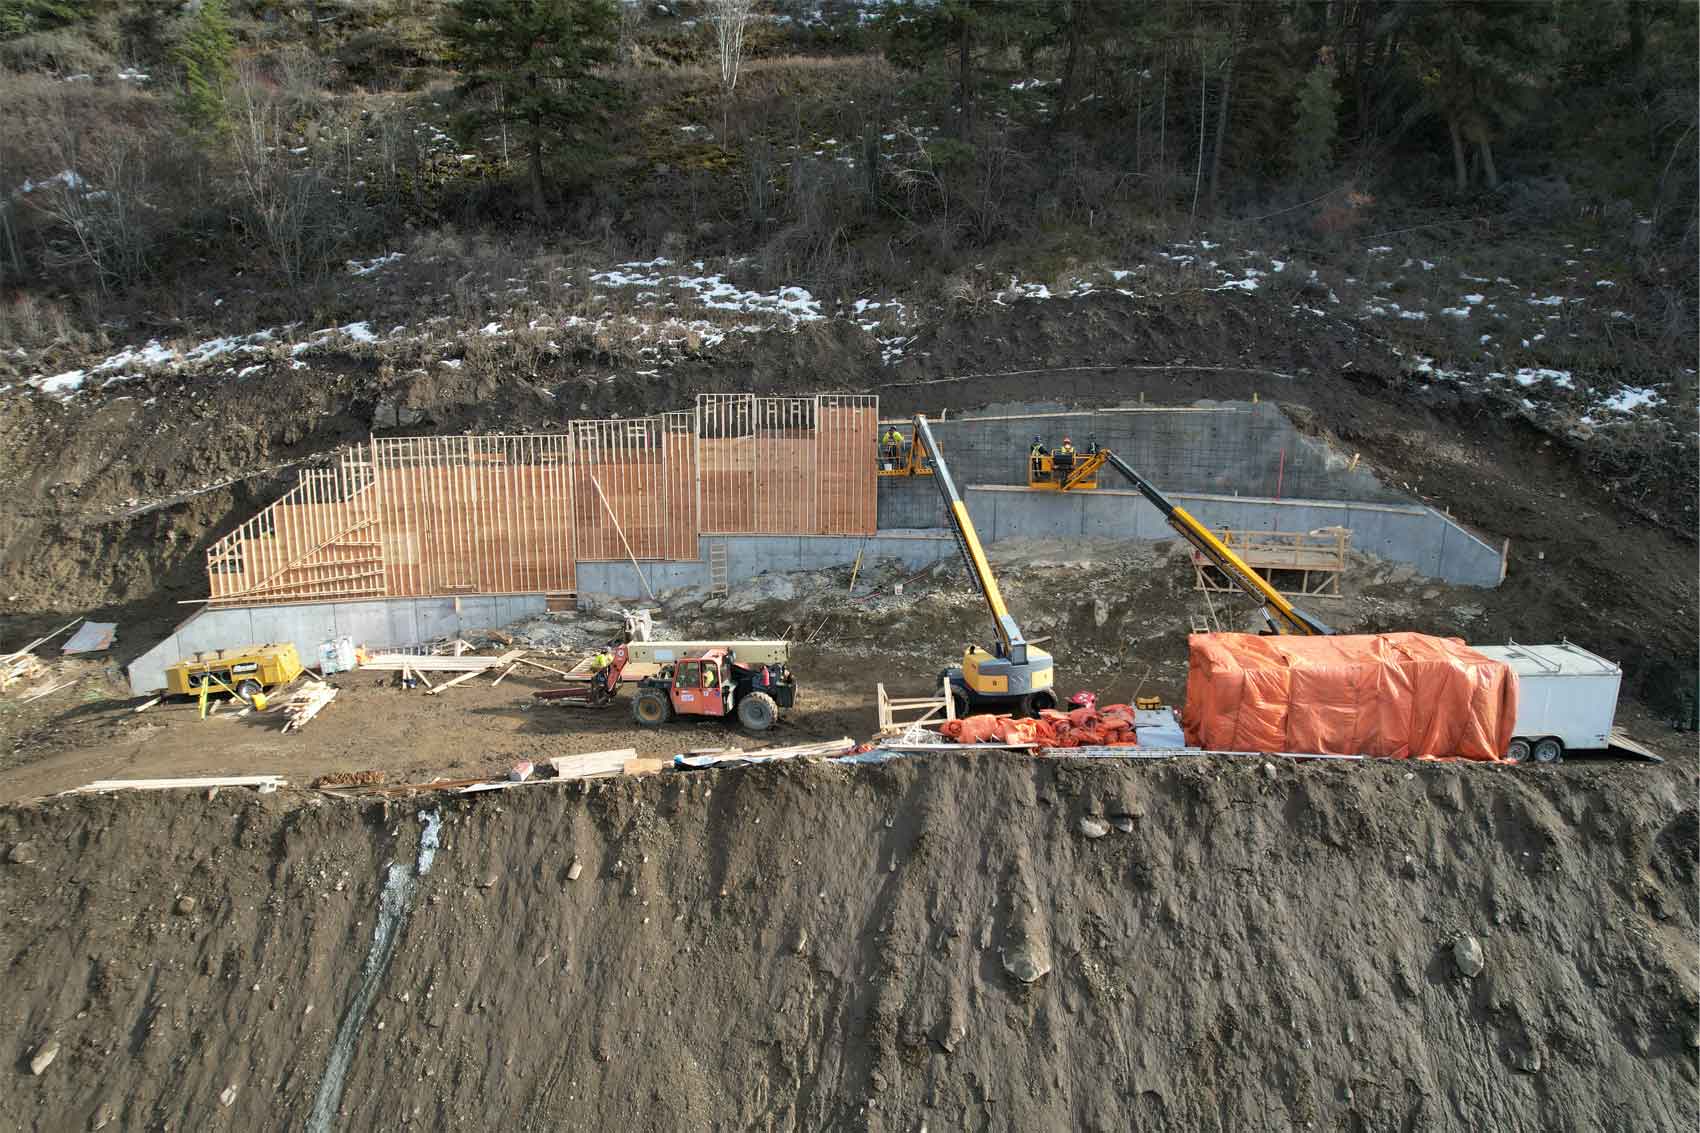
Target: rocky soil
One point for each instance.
(986, 943)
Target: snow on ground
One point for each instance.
(367, 267)
(1630, 398)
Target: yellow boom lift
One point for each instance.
(1012, 676)
(1280, 615)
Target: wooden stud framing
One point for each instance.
(417, 516)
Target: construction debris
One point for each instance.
(305, 703)
(108, 786)
(767, 754)
(349, 779)
(92, 637)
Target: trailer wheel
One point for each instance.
(1519, 750)
(1549, 750)
(757, 711)
(651, 708)
(247, 690)
(960, 704)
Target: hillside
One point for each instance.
(921, 944)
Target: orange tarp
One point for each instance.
(1393, 695)
(1111, 726)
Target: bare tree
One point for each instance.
(729, 19)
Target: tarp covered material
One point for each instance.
(92, 637)
(1392, 695)
(1111, 726)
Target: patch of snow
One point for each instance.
(131, 75)
(1531, 376)
(359, 332)
(254, 369)
(1455, 312)
(367, 267)
(1549, 301)
(65, 177)
(491, 329)
(451, 363)
(1631, 398)
(61, 385)
(1472, 299)
(1604, 283)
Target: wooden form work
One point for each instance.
(918, 711)
(1307, 564)
(512, 514)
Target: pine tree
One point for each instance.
(205, 54)
(1316, 122)
(529, 63)
(20, 17)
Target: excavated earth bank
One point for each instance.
(838, 947)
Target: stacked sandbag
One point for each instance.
(1111, 726)
(1392, 695)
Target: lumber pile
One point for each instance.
(593, 764)
(305, 703)
(22, 665)
(265, 783)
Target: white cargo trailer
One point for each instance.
(1566, 699)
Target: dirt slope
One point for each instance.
(808, 947)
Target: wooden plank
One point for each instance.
(105, 786)
(504, 675)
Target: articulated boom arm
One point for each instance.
(1012, 644)
(1282, 614)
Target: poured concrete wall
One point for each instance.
(1222, 448)
(750, 555)
(375, 622)
(1405, 533)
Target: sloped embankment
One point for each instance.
(823, 946)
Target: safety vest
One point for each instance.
(1065, 450)
(892, 438)
(1037, 449)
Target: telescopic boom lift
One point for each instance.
(1013, 676)
(1281, 615)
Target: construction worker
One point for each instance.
(710, 675)
(1091, 446)
(1063, 460)
(1033, 454)
(891, 444)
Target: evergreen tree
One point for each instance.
(529, 63)
(20, 17)
(1316, 122)
(205, 53)
(1482, 68)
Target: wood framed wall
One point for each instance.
(512, 514)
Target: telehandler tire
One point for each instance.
(757, 711)
(651, 708)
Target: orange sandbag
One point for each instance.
(1395, 695)
(981, 729)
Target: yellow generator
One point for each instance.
(244, 671)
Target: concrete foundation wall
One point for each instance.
(1406, 533)
(1222, 448)
(378, 622)
(750, 555)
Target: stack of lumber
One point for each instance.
(305, 703)
(23, 665)
(593, 764)
(19, 667)
(266, 784)
(466, 665)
